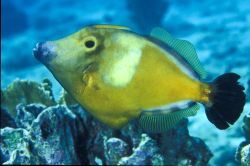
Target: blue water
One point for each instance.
(219, 30)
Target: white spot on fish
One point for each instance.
(125, 60)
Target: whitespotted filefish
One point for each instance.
(118, 75)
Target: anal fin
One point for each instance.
(161, 121)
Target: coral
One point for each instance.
(57, 133)
(63, 134)
(26, 92)
(27, 114)
(115, 149)
(245, 155)
(56, 136)
(15, 145)
(145, 154)
(171, 148)
(243, 152)
(45, 143)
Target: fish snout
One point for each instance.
(44, 51)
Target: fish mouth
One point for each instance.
(45, 52)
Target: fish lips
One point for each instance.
(45, 52)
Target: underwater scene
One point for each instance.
(128, 82)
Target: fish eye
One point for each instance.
(90, 43)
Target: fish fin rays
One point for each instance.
(108, 26)
(184, 48)
(156, 122)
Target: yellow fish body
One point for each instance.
(118, 75)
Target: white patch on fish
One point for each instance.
(125, 62)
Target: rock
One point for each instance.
(57, 133)
(245, 155)
(197, 152)
(178, 147)
(243, 152)
(27, 113)
(114, 150)
(6, 119)
(221, 143)
(15, 147)
(98, 133)
(56, 136)
(170, 148)
(3, 158)
(143, 154)
(158, 159)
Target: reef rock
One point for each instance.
(39, 133)
(56, 132)
(243, 151)
(52, 138)
(6, 119)
(144, 154)
(58, 135)
(14, 146)
(245, 155)
(26, 114)
(115, 149)
(132, 146)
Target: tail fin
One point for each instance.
(227, 100)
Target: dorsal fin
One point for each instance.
(112, 26)
(156, 122)
(184, 48)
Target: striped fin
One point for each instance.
(156, 122)
(182, 47)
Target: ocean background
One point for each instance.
(219, 30)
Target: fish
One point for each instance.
(119, 75)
